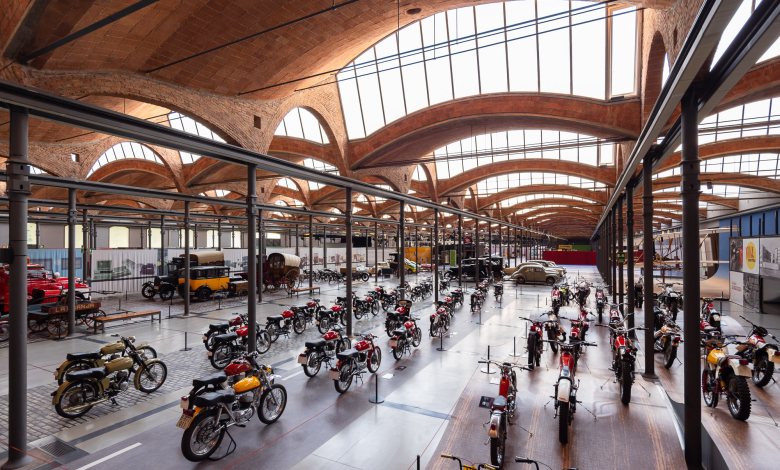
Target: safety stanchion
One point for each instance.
(441, 342)
(514, 347)
(186, 348)
(487, 369)
(376, 399)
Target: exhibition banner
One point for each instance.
(770, 257)
(750, 251)
(736, 286)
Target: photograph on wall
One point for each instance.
(736, 287)
(735, 254)
(750, 293)
(750, 252)
(770, 257)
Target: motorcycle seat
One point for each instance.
(213, 379)
(94, 373)
(315, 300)
(345, 355)
(275, 319)
(315, 344)
(227, 337)
(499, 402)
(82, 356)
(219, 326)
(327, 312)
(214, 398)
(399, 332)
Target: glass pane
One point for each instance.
(732, 29)
(370, 98)
(464, 58)
(350, 104)
(293, 124)
(413, 72)
(589, 51)
(390, 79)
(492, 49)
(311, 126)
(554, 51)
(623, 51)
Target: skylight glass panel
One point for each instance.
(370, 97)
(186, 124)
(623, 51)
(464, 54)
(496, 184)
(216, 193)
(34, 170)
(287, 183)
(419, 174)
(521, 46)
(554, 51)
(589, 50)
(350, 102)
(413, 68)
(319, 165)
(666, 69)
(125, 151)
(438, 68)
(390, 78)
(491, 48)
(732, 29)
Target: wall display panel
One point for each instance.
(735, 254)
(736, 286)
(123, 270)
(750, 253)
(54, 260)
(770, 257)
(751, 293)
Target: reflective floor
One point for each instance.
(431, 401)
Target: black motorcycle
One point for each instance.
(327, 320)
(323, 350)
(498, 292)
(232, 345)
(222, 328)
(457, 296)
(282, 324)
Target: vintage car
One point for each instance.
(41, 284)
(165, 286)
(550, 264)
(469, 266)
(205, 280)
(535, 273)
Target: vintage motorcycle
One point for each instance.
(109, 352)
(725, 374)
(83, 389)
(207, 416)
(404, 338)
(670, 299)
(709, 313)
(565, 394)
(667, 340)
(232, 345)
(440, 321)
(477, 300)
(601, 301)
(323, 350)
(444, 285)
(457, 296)
(534, 342)
(556, 300)
(581, 324)
(498, 292)
(222, 328)
(565, 293)
(553, 330)
(354, 362)
(761, 354)
(327, 319)
(397, 318)
(623, 359)
(582, 293)
(639, 292)
(282, 324)
(502, 410)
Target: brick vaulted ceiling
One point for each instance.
(141, 65)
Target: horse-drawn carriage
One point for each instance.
(281, 271)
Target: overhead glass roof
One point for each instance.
(302, 124)
(319, 166)
(125, 151)
(495, 184)
(746, 8)
(216, 193)
(34, 170)
(472, 152)
(419, 174)
(752, 119)
(190, 126)
(547, 46)
(757, 164)
(547, 206)
(723, 190)
(539, 197)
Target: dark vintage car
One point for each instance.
(469, 266)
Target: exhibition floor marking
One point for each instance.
(109, 456)
(292, 375)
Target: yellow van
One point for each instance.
(205, 280)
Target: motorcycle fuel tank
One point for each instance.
(246, 384)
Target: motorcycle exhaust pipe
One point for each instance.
(78, 408)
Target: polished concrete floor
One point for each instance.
(430, 401)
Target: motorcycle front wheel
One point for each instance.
(738, 398)
(553, 344)
(313, 364)
(374, 360)
(150, 376)
(763, 371)
(709, 393)
(203, 437)
(531, 350)
(323, 325)
(563, 423)
(272, 404)
(299, 324)
(398, 351)
(273, 332)
(221, 356)
(147, 352)
(344, 381)
(625, 384)
(416, 337)
(262, 342)
(75, 399)
(670, 354)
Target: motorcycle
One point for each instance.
(498, 292)
(457, 296)
(386, 299)
(534, 342)
(365, 355)
(502, 410)
(581, 323)
(83, 389)
(554, 330)
(761, 354)
(623, 359)
(396, 319)
(555, 299)
(404, 338)
(222, 328)
(461, 466)
(90, 360)
(477, 300)
(667, 340)
(582, 293)
(565, 394)
(565, 294)
(229, 346)
(670, 299)
(207, 416)
(639, 296)
(323, 350)
(444, 285)
(282, 324)
(327, 319)
(725, 374)
(709, 313)
(440, 321)
(601, 301)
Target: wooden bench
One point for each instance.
(298, 290)
(126, 316)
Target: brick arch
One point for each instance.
(423, 131)
(295, 149)
(556, 201)
(725, 148)
(467, 178)
(761, 82)
(132, 165)
(98, 148)
(652, 79)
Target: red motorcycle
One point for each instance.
(440, 321)
(323, 350)
(222, 328)
(502, 410)
(760, 353)
(582, 325)
(233, 345)
(565, 387)
(282, 324)
(555, 299)
(623, 359)
(534, 344)
(365, 355)
(601, 301)
(404, 338)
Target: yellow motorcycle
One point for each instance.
(83, 389)
(726, 374)
(109, 352)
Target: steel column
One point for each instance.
(478, 264)
(219, 234)
(621, 250)
(85, 246)
(647, 253)
(417, 245)
(630, 255)
(460, 250)
(434, 255)
(348, 223)
(324, 247)
(311, 251)
(72, 214)
(690, 258)
(376, 251)
(402, 248)
(251, 224)
(187, 272)
(18, 189)
(365, 241)
(613, 265)
(297, 238)
(162, 245)
(261, 254)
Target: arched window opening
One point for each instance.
(302, 124)
(125, 151)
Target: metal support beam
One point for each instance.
(324, 247)
(311, 251)
(621, 250)
(162, 245)
(630, 256)
(613, 239)
(18, 189)
(85, 246)
(72, 215)
(348, 224)
(260, 235)
(647, 253)
(251, 223)
(476, 253)
(376, 251)
(402, 248)
(219, 234)
(435, 256)
(690, 257)
(187, 273)
(460, 250)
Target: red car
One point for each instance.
(41, 284)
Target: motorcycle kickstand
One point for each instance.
(588, 410)
(643, 388)
(113, 401)
(605, 383)
(231, 447)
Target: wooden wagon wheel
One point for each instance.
(57, 327)
(89, 318)
(35, 325)
(291, 280)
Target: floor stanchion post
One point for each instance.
(186, 348)
(375, 399)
